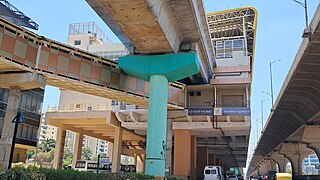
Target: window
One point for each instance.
(233, 101)
(207, 172)
(213, 171)
(198, 93)
(191, 93)
(228, 44)
(77, 42)
(80, 164)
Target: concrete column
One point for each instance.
(157, 126)
(182, 153)
(8, 126)
(282, 164)
(59, 149)
(169, 148)
(77, 151)
(193, 157)
(117, 147)
(202, 161)
(296, 163)
(295, 152)
(141, 163)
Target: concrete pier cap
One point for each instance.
(173, 66)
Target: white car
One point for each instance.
(212, 173)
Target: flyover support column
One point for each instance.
(117, 147)
(295, 152)
(159, 70)
(59, 149)
(8, 126)
(157, 125)
(77, 149)
(182, 153)
(282, 164)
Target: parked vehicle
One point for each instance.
(212, 173)
(91, 166)
(283, 176)
(240, 177)
(232, 177)
(229, 173)
(270, 175)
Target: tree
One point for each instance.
(47, 144)
(30, 153)
(67, 158)
(86, 153)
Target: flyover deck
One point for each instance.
(298, 103)
(70, 68)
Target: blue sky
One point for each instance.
(280, 26)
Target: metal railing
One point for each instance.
(90, 107)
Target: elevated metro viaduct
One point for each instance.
(292, 130)
(217, 99)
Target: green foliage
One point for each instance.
(86, 153)
(67, 159)
(31, 153)
(47, 145)
(44, 157)
(20, 173)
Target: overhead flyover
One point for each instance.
(149, 27)
(295, 117)
(67, 67)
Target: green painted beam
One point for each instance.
(173, 66)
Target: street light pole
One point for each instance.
(271, 83)
(257, 120)
(262, 114)
(304, 5)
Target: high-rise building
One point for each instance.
(309, 165)
(87, 36)
(30, 102)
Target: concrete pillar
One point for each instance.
(117, 147)
(295, 152)
(296, 163)
(193, 157)
(8, 126)
(282, 164)
(59, 149)
(169, 148)
(202, 161)
(182, 153)
(77, 151)
(141, 163)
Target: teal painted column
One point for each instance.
(157, 126)
(159, 70)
